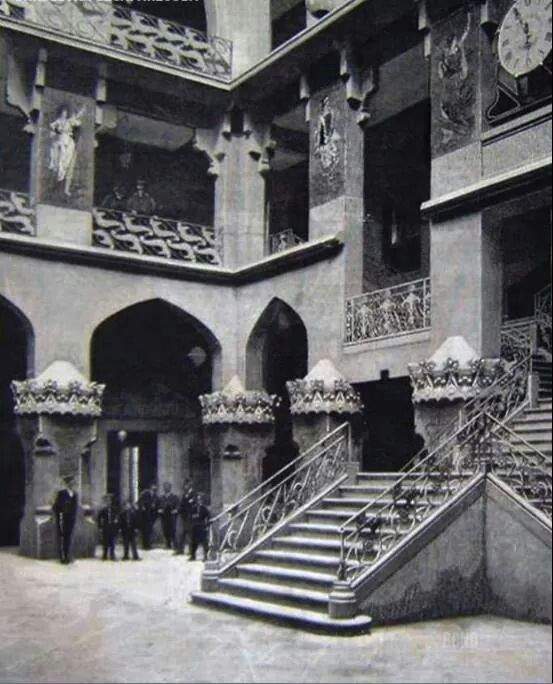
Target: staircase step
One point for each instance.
(296, 617)
(295, 558)
(318, 546)
(275, 593)
(278, 574)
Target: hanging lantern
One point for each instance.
(197, 355)
(122, 436)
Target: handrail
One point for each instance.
(417, 281)
(232, 508)
(503, 426)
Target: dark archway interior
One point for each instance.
(190, 14)
(389, 439)
(14, 350)
(279, 346)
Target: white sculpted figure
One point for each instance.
(63, 149)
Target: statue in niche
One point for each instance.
(63, 149)
(457, 95)
(327, 137)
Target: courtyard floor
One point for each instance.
(132, 622)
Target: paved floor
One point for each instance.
(131, 622)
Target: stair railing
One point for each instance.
(542, 313)
(279, 497)
(484, 444)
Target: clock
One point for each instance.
(524, 40)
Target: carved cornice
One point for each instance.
(453, 373)
(236, 405)
(323, 390)
(60, 390)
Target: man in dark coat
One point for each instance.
(148, 504)
(65, 512)
(168, 508)
(200, 516)
(108, 524)
(184, 517)
(129, 522)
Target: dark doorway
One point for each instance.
(15, 340)
(389, 440)
(126, 473)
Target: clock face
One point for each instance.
(525, 36)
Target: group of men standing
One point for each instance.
(184, 520)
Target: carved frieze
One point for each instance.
(234, 404)
(323, 390)
(60, 390)
(454, 372)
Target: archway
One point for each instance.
(276, 352)
(16, 352)
(155, 360)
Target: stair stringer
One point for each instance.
(448, 567)
(518, 556)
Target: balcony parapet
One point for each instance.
(16, 213)
(155, 236)
(286, 239)
(129, 31)
(390, 312)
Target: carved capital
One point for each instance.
(60, 390)
(323, 390)
(236, 405)
(213, 142)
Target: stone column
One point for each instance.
(56, 419)
(320, 403)
(453, 375)
(238, 426)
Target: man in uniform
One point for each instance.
(141, 202)
(168, 508)
(184, 520)
(129, 523)
(148, 504)
(108, 524)
(65, 512)
(200, 516)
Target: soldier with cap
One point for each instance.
(168, 507)
(129, 523)
(200, 516)
(148, 504)
(108, 524)
(65, 512)
(184, 520)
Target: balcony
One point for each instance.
(286, 239)
(128, 31)
(16, 214)
(155, 236)
(391, 312)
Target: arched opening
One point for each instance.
(191, 14)
(16, 350)
(155, 361)
(277, 352)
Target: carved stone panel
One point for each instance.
(65, 163)
(454, 85)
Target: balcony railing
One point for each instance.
(155, 236)
(286, 239)
(398, 310)
(16, 213)
(124, 29)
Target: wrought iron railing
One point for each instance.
(518, 338)
(16, 213)
(286, 239)
(542, 313)
(125, 29)
(243, 524)
(405, 308)
(155, 236)
(377, 528)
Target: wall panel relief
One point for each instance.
(455, 68)
(65, 169)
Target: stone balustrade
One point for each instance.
(155, 236)
(405, 308)
(128, 30)
(16, 213)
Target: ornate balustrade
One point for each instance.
(542, 313)
(379, 527)
(155, 236)
(286, 239)
(405, 308)
(518, 338)
(128, 30)
(277, 498)
(16, 213)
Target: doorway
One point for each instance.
(132, 464)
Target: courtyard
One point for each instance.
(131, 622)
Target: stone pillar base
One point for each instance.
(342, 602)
(39, 537)
(210, 576)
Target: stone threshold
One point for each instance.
(275, 264)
